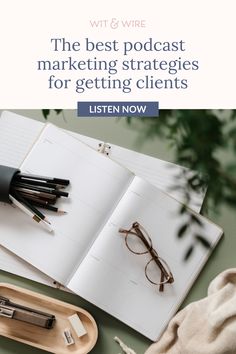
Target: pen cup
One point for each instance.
(6, 176)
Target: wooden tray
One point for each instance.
(50, 340)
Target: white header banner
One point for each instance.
(56, 53)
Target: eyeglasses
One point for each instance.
(138, 242)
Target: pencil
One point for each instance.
(41, 189)
(45, 205)
(31, 207)
(37, 193)
(35, 198)
(42, 203)
(28, 212)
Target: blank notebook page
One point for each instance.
(97, 184)
(124, 290)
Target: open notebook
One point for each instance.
(86, 253)
(17, 134)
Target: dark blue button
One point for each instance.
(118, 109)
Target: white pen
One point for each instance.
(30, 213)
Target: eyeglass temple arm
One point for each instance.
(124, 231)
(164, 273)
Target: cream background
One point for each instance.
(207, 26)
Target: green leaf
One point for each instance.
(58, 111)
(204, 242)
(231, 200)
(174, 187)
(196, 219)
(231, 168)
(189, 253)
(46, 112)
(182, 230)
(183, 209)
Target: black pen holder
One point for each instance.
(6, 176)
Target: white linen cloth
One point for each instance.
(207, 326)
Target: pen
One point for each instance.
(38, 182)
(31, 207)
(51, 198)
(37, 198)
(42, 189)
(29, 213)
(64, 182)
